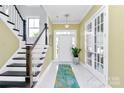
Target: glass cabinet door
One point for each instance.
(89, 42)
(95, 42)
(99, 42)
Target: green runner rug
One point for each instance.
(65, 77)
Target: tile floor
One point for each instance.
(84, 77)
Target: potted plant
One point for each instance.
(75, 52)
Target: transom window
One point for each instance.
(34, 26)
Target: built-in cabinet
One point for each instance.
(96, 44)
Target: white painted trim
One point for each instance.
(107, 43)
(75, 32)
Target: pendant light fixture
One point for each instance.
(66, 19)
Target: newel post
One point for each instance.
(24, 30)
(29, 74)
(46, 41)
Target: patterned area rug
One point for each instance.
(65, 77)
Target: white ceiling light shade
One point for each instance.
(67, 26)
(66, 19)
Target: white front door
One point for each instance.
(64, 48)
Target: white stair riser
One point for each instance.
(8, 78)
(23, 68)
(24, 61)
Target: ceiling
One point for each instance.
(76, 13)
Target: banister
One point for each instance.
(29, 75)
(45, 28)
(24, 23)
(18, 12)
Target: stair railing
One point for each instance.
(29, 53)
(15, 18)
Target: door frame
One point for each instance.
(106, 45)
(74, 31)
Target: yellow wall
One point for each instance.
(82, 33)
(116, 46)
(8, 43)
(50, 53)
(71, 27)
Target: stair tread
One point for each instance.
(43, 52)
(12, 84)
(15, 29)
(23, 47)
(28, 44)
(20, 35)
(11, 22)
(42, 58)
(19, 58)
(4, 13)
(24, 52)
(21, 65)
(21, 52)
(17, 73)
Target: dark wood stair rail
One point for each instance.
(29, 74)
(24, 23)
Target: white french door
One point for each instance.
(96, 45)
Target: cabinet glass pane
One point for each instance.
(98, 20)
(102, 17)
(95, 22)
(89, 62)
(98, 58)
(102, 27)
(95, 65)
(98, 28)
(101, 68)
(101, 59)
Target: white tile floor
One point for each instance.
(84, 77)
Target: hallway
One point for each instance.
(84, 77)
(37, 40)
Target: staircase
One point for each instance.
(23, 70)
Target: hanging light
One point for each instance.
(57, 19)
(66, 17)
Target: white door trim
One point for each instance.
(74, 31)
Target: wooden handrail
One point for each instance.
(45, 28)
(24, 22)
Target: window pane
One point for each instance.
(33, 32)
(36, 22)
(31, 22)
